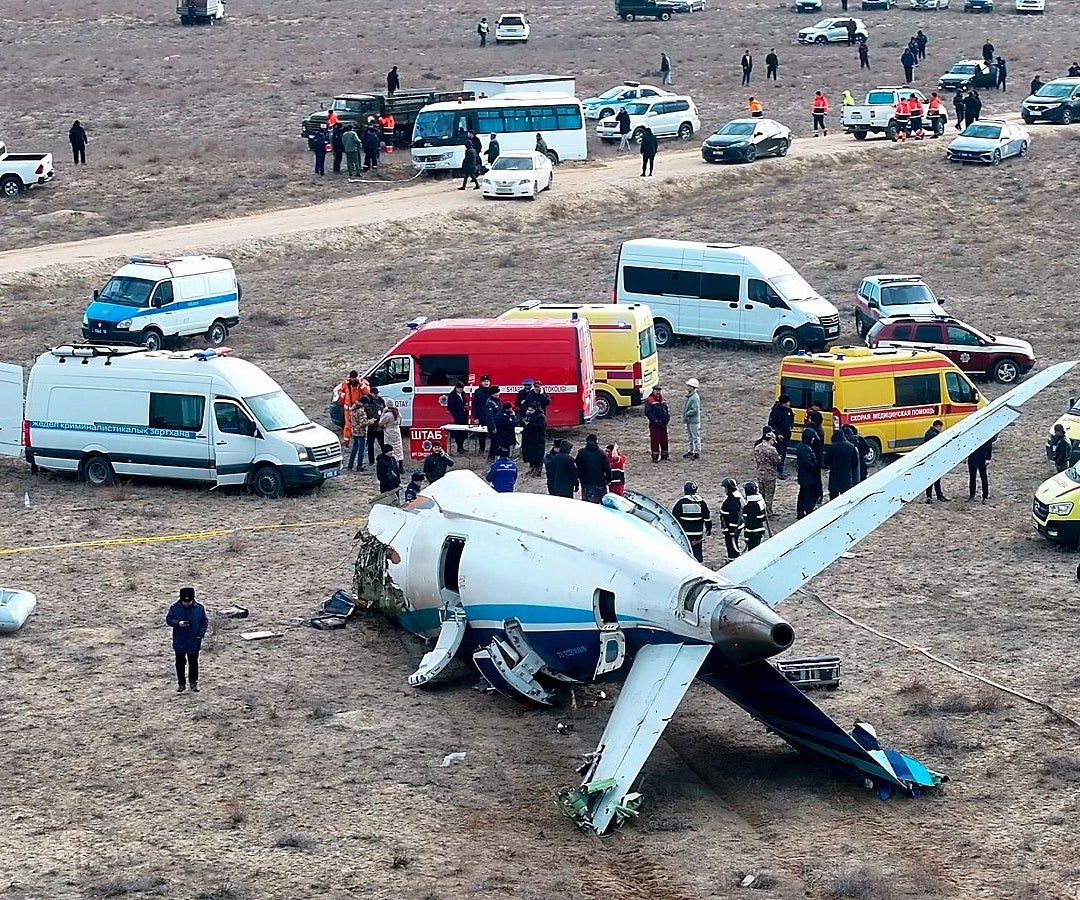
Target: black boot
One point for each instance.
(181, 687)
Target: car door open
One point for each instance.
(236, 439)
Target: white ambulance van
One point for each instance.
(197, 415)
(151, 300)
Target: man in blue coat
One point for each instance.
(502, 474)
(188, 621)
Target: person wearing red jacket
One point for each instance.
(820, 109)
(902, 114)
(915, 110)
(617, 460)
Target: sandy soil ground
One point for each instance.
(307, 768)
(187, 124)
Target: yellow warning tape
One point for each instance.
(187, 536)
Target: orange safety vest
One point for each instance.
(755, 106)
(903, 109)
(332, 119)
(821, 105)
(935, 105)
(915, 106)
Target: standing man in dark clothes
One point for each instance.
(665, 69)
(648, 150)
(747, 64)
(977, 464)
(1074, 70)
(317, 145)
(853, 436)
(492, 408)
(755, 513)
(374, 433)
(659, 416)
(492, 150)
(772, 63)
(932, 432)
(781, 421)
(972, 107)
(393, 81)
(350, 144)
(562, 473)
(731, 517)
(864, 55)
(1036, 84)
(470, 166)
(593, 470)
(479, 401)
(505, 423)
(457, 407)
(337, 145)
(1059, 448)
(921, 40)
(958, 106)
(548, 457)
(692, 514)
(850, 25)
(809, 474)
(188, 621)
(77, 139)
(436, 464)
(988, 52)
(371, 141)
(1002, 73)
(907, 60)
(387, 471)
(533, 438)
(843, 5)
(843, 461)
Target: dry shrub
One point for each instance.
(224, 891)
(235, 813)
(857, 884)
(296, 840)
(914, 685)
(119, 491)
(506, 260)
(122, 886)
(1064, 765)
(400, 860)
(237, 543)
(940, 735)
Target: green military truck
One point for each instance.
(358, 108)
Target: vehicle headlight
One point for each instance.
(813, 320)
(124, 324)
(85, 320)
(1060, 509)
(524, 181)
(304, 454)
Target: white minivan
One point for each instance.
(149, 301)
(197, 415)
(724, 291)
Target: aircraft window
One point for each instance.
(605, 606)
(450, 569)
(694, 592)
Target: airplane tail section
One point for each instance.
(782, 708)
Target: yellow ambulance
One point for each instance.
(1055, 510)
(892, 396)
(624, 348)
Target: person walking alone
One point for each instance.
(665, 70)
(820, 109)
(692, 419)
(659, 416)
(958, 108)
(77, 139)
(907, 60)
(623, 118)
(772, 64)
(393, 82)
(977, 464)
(864, 55)
(482, 29)
(188, 621)
(747, 64)
(648, 150)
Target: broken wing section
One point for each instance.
(658, 680)
(782, 708)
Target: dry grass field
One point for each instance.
(307, 768)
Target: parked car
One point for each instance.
(805, 6)
(689, 6)
(1004, 359)
(831, 31)
(978, 5)
(1055, 101)
(975, 73)
(878, 4)
(930, 4)
(877, 113)
(672, 116)
(888, 296)
(989, 141)
(200, 12)
(1036, 7)
(744, 140)
(614, 99)
(518, 173)
(21, 171)
(512, 28)
(629, 10)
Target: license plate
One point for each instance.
(502, 190)
(330, 473)
(100, 330)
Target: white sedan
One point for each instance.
(989, 141)
(518, 173)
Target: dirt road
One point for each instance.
(421, 198)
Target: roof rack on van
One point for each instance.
(86, 352)
(727, 246)
(150, 260)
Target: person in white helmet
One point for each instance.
(692, 419)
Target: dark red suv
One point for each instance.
(1002, 358)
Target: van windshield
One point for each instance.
(276, 411)
(793, 287)
(127, 292)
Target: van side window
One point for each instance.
(163, 296)
(177, 412)
(720, 287)
(960, 390)
(918, 390)
(661, 282)
(803, 391)
(233, 420)
(394, 370)
(443, 370)
(758, 291)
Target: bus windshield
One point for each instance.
(127, 292)
(435, 125)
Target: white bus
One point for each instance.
(439, 133)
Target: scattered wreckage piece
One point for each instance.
(15, 608)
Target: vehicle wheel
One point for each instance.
(821, 39)
(860, 330)
(551, 181)
(1006, 371)
(1066, 117)
(606, 113)
(995, 160)
(11, 186)
(873, 452)
(782, 150)
(751, 153)
(553, 156)
(665, 16)
(890, 132)
(267, 482)
(536, 190)
(152, 339)
(629, 17)
(786, 341)
(97, 471)
(638, 135)
(859, 135)
(605, 405)
(1028, 121)
(665, 336)
(217, 334)
(1023, 148)
(686, 131)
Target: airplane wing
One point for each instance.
(777, 568)
(659, 678)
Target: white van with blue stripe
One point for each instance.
(150, 301)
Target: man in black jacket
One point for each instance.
(456, 407)
(843, 461)
(436, 464)
(188, 621)
(337, 143)
(809, 474)
(648, 150)
(393, 81)
(692, 514)
(371, 141)
(932, 432)
(853, 436)
(1059, 448)
(77, 139)
(772, 63)
(477, 406)
(781, 421)
(731, 517)
(977, 464)
(623, 118)
(593, 470)
(387, 471)
(562, 473)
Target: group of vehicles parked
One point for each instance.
(1022, 7)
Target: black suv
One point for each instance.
(629, 10)
(1055, 101)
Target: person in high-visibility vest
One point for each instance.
(332, 119)
(915, 110)
(902, 114)
(757, 111)
(387, 124)
(847, 99)
(933, 109)
(820, 109)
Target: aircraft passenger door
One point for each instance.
(11, 409)
(235, 442)
(612, 639)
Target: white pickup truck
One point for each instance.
(19, 171)
(877, 115)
